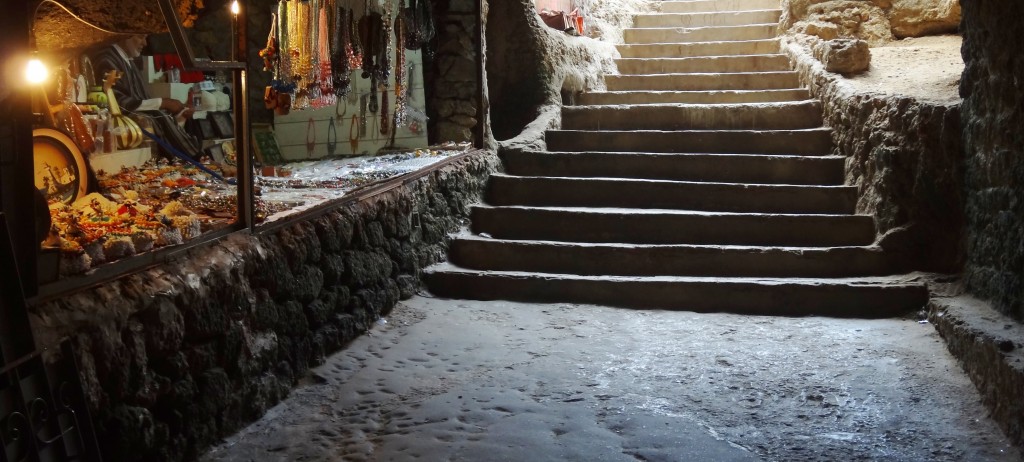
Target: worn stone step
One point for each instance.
(675, 50)
(860, 297)
(546, 191)
(747, 116)
(699, 6)
(728, 168)
(714, 64)
(646, 226)
(707, 18)
(480, 253)
(704, 81)
(692, 97)
(699, 34)
(809, 142)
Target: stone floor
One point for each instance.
(491, 381)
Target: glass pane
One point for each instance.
(134, 154)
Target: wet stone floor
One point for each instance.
(453, 380)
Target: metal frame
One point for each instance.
(43, 413)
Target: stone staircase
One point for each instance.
(702, 180)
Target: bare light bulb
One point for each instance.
(36, 72)
(235, 9)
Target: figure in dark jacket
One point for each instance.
(132, 94)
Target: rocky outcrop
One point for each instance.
(875, 21)
(993, 91)
(529, 66)
(916, 18)
(174, 357)
(841, 19)
(905, 157)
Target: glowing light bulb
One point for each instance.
(36, 72)
(235, 9)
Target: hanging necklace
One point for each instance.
(383, 121)
(353, 133)
(401, 74)
(310, 137)
(332, 138)
(340, 47)
(326, 84)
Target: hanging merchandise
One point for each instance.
(269, 54)
(353, 133)
(355, 48)
(332, 138)
(401, 76)
(382, 120)
(325, 82)
(419, 24)
(369, 35)
(341, 44)
(310, 137)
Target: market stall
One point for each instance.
(143, 149)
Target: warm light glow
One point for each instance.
(36, 72)
(235, 8)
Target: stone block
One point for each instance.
(916, 18)
(843, 56)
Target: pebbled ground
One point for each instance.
(492, 381)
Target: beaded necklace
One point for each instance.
(401, 74)
(326, 81)
(340, 46)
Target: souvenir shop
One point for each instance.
(143, 143)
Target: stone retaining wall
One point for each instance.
(181, 354)
(990, 349)
(906, 158)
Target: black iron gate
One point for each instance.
(43, 414)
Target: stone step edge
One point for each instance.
(643, 153)
(469, 236)
(707, 57)
(671, 212)
(712, 74)
(858, 281)
(694, 13)
(702, 132)
(716, 106)
(807, 296)
(760, 24)
(837, 188)
(699, 44)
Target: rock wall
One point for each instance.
(875, 21)
(453, 72)
(179, 355)
(993, 93)
(529, 65)
(906, 158)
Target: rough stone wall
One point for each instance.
(179, 355)
(453, 72)
(875, 21)
(993, 92)
(906, 158)
(529, 65)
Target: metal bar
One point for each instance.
(246, 209)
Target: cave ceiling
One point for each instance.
(66, 27)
